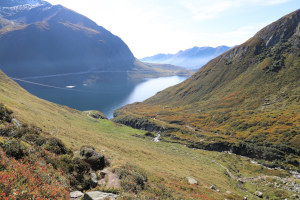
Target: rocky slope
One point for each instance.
(247, 98)
(193, 58)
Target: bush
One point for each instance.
(14, 148)
(56, 146)
(30, 180)
(5, 114)
(132, 178)
(35, 139)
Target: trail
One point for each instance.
(243, 179)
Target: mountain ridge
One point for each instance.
(192, 58)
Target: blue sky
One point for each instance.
(149, 27)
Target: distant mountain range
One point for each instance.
(37, 38)
(193, 58)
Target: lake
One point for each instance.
(103, 91)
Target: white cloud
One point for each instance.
(203, 9)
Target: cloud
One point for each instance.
(274, 2)
(206, 9)
(203, 9)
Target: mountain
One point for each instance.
(245, 101)
(193, 58)
(37, 38)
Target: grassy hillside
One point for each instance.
(165, 165)
(245, 101)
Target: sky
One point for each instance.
(150, 27)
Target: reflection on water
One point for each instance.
(97, 91)
(150, 87)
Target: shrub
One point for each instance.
(56, 146)
(5, 114)
(25, 180)
(132, 178)
(35, 139)
(14, 148)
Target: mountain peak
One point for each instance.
(282, 29)
(12, 3)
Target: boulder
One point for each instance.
(97, 195)
(192, 181)
(76, 195)
(94, 178)
(103, 173)
(93, 158)
(213, 187)
(259, 194)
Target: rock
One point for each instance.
(16, 122)
(228, 192)
(97, 195)
(295, 196)
(213, 187)
(113, 181)
(95, 159)
(96, 114)
(76, 195)
(245, 197)
(94, 178)
(192, 181)
(259, 194)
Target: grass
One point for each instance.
(166, 164)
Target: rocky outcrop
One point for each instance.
(76, 195)
(92, 195)
(95, 114)
(259, 194)
(142, 123)
(97, 195)
(192, 181)
(109, 179)
(93, 158)
(280, 30)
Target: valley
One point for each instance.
(82, 118)
(162, 161)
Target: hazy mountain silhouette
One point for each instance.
(193, 58)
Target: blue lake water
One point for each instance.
(96, 91)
